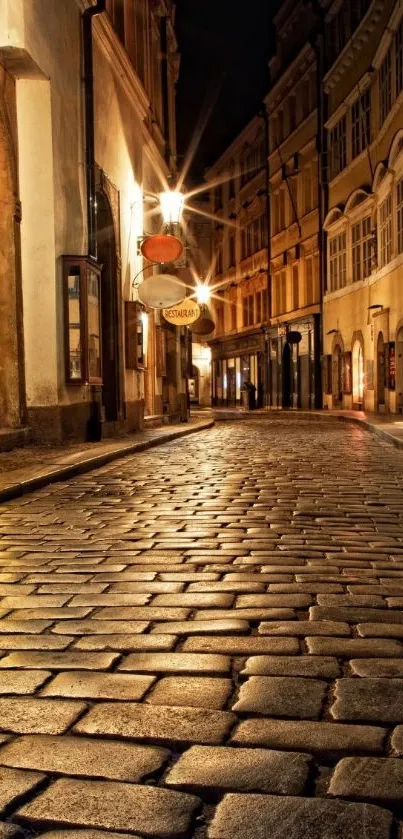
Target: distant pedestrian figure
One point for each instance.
(250, 390)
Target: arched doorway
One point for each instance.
(358, 376)
(380, 371)
(337, 376)
(287, 376)
(111, 391)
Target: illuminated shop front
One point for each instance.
(235, 362)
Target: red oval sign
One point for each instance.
(162, 248)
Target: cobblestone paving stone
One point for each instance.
(205, 641)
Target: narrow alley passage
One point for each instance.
(205, 640)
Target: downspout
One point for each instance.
(165, 87)
(318, 46)
(87, 16)
(265, 116)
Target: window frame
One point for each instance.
(337, 147)
(85, 267)
(385, 231)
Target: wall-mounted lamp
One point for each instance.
(171, 203)
(202, 293)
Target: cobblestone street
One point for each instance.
(206, 640)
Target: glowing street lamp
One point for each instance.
(171, 203)
(202, 293)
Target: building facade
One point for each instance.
(294, 336)
(87, 130)
(363, 306)
(239, 274)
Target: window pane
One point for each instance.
(74, 324)
(94, 343)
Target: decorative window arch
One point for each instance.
(334, 215)
(379, 175)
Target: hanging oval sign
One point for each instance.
(293, 337)
(162, 247)
(184, 313)
(204, 324)
(161, 291)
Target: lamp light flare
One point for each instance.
(202, 293)
(171, 203)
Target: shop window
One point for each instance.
(385, 232)
(361, 124)
(82, 317)
(135, 335)
(399, 202)
(385, 86)
(361, 249)
(337, 148)
(337, 261)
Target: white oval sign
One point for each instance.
(161, 290)
(183, 314)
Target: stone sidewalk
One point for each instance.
(204, 641)
(31, 467)
(387, 426)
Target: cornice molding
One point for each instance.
(295, 71)
(348, 55)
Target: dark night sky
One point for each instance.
(225, 45)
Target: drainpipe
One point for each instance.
(87, 16)
(94, 426)
(318, 45)
(165, 87)
(265, 117)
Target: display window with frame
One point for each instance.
(82, 320)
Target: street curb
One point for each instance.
(61, 473)
(316, 416)
(374, 429)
